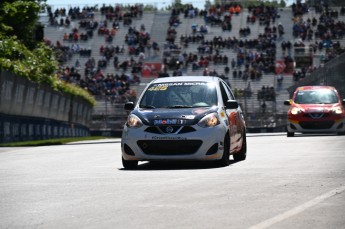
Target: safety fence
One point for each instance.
(330, 74)
(108, 115)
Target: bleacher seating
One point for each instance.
(115, 42)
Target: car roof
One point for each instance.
(309, 88)
(186, 79)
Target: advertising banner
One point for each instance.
(151, 69)
(282, 68)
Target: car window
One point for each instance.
(227, 88)
(179, 95)
(316, 97)
(226, 95)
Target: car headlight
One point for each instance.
(337, 110)
(134, 121)
(296, 111)
(209, 120)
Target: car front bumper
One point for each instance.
(316, 126)
(201, 144)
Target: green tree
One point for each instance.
(282, 3)
(22, 54)
(19, 19)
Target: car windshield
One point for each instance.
(324, 96)
(179, 95)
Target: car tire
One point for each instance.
(129, 164)
(242, 154)
(225, 161)
(290, 134)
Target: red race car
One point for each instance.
(315, 109)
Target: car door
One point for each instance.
(234, 119)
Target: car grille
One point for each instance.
(169, 129)
(169, 147)
(317, 125)
(316, 115)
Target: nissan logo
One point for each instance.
(169, 129)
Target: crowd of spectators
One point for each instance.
(264, 14)
(244, 92)
(267, 93)
(326, 28)
(115, 87)
(318, 35)
(254, 56)
(91, 76)
(62, 17)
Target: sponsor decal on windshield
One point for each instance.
(158, 87)
(164, 86)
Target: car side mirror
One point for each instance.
(129, 106)
(231, 104)
(287, 102)
(343, 102)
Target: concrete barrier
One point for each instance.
(29, 111)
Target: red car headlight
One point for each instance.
(296, 111)
(337, 110)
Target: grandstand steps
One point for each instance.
(142, 85)
(286, 20)
(238, 22)
(318, 54)
(106, 107)
(252, 104)
(185, 27)
(119, 40)
(55, 33)
(282, 93)
(159, 25)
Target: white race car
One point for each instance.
(184, 118)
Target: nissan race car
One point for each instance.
(315, 109)
(184, 118)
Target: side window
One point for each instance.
(227, 88)
(225, 93)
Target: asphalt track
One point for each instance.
(285, 182)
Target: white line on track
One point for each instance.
(298, 209)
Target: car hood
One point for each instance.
(176, 116)
(316, 108)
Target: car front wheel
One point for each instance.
(242, 154)
(129, 164)
(341, 133)
(225, 161)
(290, 134)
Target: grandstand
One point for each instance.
(91, 40)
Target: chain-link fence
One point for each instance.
(109, 113)
(331, 74)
